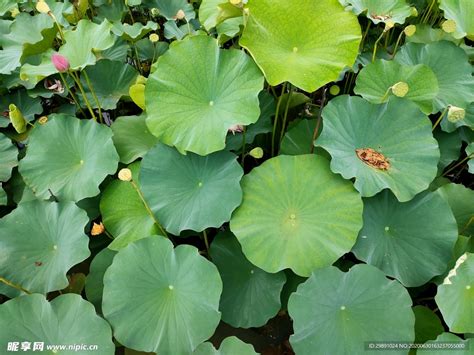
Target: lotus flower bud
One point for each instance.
(389, 25)
(257, 153)
(154, 38)
(449, 26)
(410, 30)
(43, 7)
(334, 90)
(60, 63)
(125, 174)
(97, 229)
(180, 15)
(456, 114)
(400, 89)
(17, 119)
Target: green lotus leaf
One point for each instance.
(229, 29)
(235, 140)
(461, 12)
(382, 146)
(455, 296)
(29, 35)
(451, 67)
(467, 121)
(355, 307)
(427, 34)
(466, 346)
(33, 74)
(199, 91)
(273, 37)
(460, 199)
(250, 296)
(132, 139)
(124, 214)
(296, 208)
(110, 81)
(133, 32)
(427, 324)
(3, 196)
(299, 139)
(66, 320)
(161, 299)
(449, 147)
(169, 8)
(85, 42)
(68, 158)
(6, 6)
(112, 10)
(470, 153)
(209, 12)
(190, 192)
(394, 233)
(380, 11)
(8, 157)
(376, 80)
(229, 346)
(29, 106)
(95, 279)
(40, 242)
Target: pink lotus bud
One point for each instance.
(236, 128)
(60, 63)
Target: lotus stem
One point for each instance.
(81, 89)
(243, 147)
(397, 43)
(374, 53)
(277, 113)
(282, 133)
(72, 94)
(440, 118)
(206, 241)
(93, 95)
(148, 209)
(469, 157)
(11, 284)
(318, 122)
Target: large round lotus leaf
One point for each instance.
(382, 146)
(190, 192)
(461, 12)
(355, 307)
(209, 12)
(3, 196)
(66, 320)
(199, 91)
(451, 67)
(455, 296)
(449, 147)
(8, 157)
(251, 296)
(455, 346)
(161, 299)
(229, 346)
(69, 158)
(132, 137)
(461, 200)
(296, 208)
(124, 214)
(273, 36)
(95, 279)
(410, 241)
(110, 80)
(375, 81)
(40, 242)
